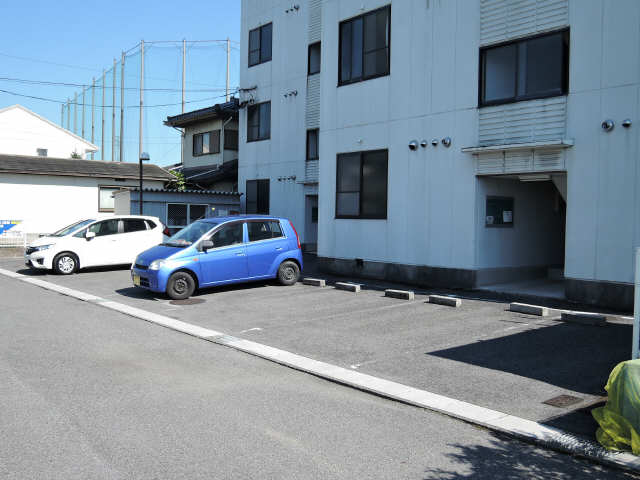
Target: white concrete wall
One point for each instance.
(283, 155)
(22, 133)
(46, 203)
(191, 161)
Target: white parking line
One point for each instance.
(515, 426)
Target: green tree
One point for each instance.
(179, 183)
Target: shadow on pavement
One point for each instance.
(505, 458)
(574, 357)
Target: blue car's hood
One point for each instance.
(162, 252)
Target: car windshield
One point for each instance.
(71, 228)
(190, 234)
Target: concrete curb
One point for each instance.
(349, 287)
(521, 428)
(529, 309)
(447, 301)
(584, 318)
(401, 294)
(315, 282)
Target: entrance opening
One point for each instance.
(311, 224)
(521, 234)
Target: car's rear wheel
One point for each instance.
(65, 263)
(180, 285)
(288, 273)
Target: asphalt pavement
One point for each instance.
(91, 393)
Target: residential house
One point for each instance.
(460, 143)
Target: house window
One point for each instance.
(179, 215)
(231, 140)
(259, 122)
(535, 67)
(106, 202)
(314, 58)
(260, 44)
(312, 144)
(42, 152)
(361, 185)
(499, 212)
(257, 196)
(365, 46)
(206, 143)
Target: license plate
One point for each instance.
(136, 280)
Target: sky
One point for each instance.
(73, 41)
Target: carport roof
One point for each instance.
(32, 165)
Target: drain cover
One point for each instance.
(562, 401)
(187, 301)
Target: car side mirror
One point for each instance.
(90, 235)
(207, 245)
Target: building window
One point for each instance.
(260, 44)
(179, 215)
(231, 139)
(365, 46)
(361, 185)
(259, 122)
(257, 196)
(535, 67)
(42, 152)
(106, 202)
(206, 143)
(499, 212)
(312, 144)
(314, 58)
(314, 214)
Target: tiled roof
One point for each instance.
(208, 113)
(202, 192)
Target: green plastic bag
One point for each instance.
(619, 419)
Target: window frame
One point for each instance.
(259, 49)
(566, 58)
(214, 133)
(360, 216)
(209, 236)
(259, 106)
(499, 225)
(233, 146)
(317, 157)
(363, 77)
(188, 217)
(143, 220)
(257, 181)
(115, 188)
(309, 72)
(266, 220)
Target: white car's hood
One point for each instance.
(44, 241)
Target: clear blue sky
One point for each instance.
(79, 39)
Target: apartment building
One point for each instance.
(459, 143)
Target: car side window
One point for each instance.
(106, 227)
(134, 225)
(264, 230)
(227, 235)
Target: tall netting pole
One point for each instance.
(68, 113)
(62, 115)
(141, 97)
(184, 65)
(104, 78)
(113, 114)
(93, 113)
(83, 104)
(75, 113)
(228, 57)
(122, 108)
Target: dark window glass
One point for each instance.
(314, 58)
(196, 212)
(260, 40)
(259, 122)
(228, 235)
(134, 225)
(263, 230)
(231, 139)
(314, 214)
(177, 215)
(214, 141)
(361, 185)
(536, 67)
(312, 144)
(107, 227)
(499, 212)
(206, 143)
(151, 224)
(197, 144)
(364, 46)
(257, 197)
(276, 229)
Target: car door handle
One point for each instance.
(240, 254)
(278, 248)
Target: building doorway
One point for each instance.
(311, 224)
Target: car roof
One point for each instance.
(230, 218)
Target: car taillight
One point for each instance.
(166, 232)
(296, 232)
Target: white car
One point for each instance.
(90, 243)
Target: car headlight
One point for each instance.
(157, 264)
(43, 247)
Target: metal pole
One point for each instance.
(184, 62)
(68, 114)
(141, 103)
(228, 55)
(113, 115)
(83, 103)
(636, 316)
(75, 112)
(104, 77)
(62, 115)
(122, 107)
(93, 113)
(140, 200)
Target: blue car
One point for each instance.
(219, 251)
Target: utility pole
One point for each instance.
(83, 104)
(228, 56)
(141, 96)
(184, 63)
(75, 112)
(93, 113)
(104, 79)
(122, 107)
(113, 115)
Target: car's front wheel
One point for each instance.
(180, 285)
(65, 263)
(288, 273)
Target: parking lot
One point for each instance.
(479, 353)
